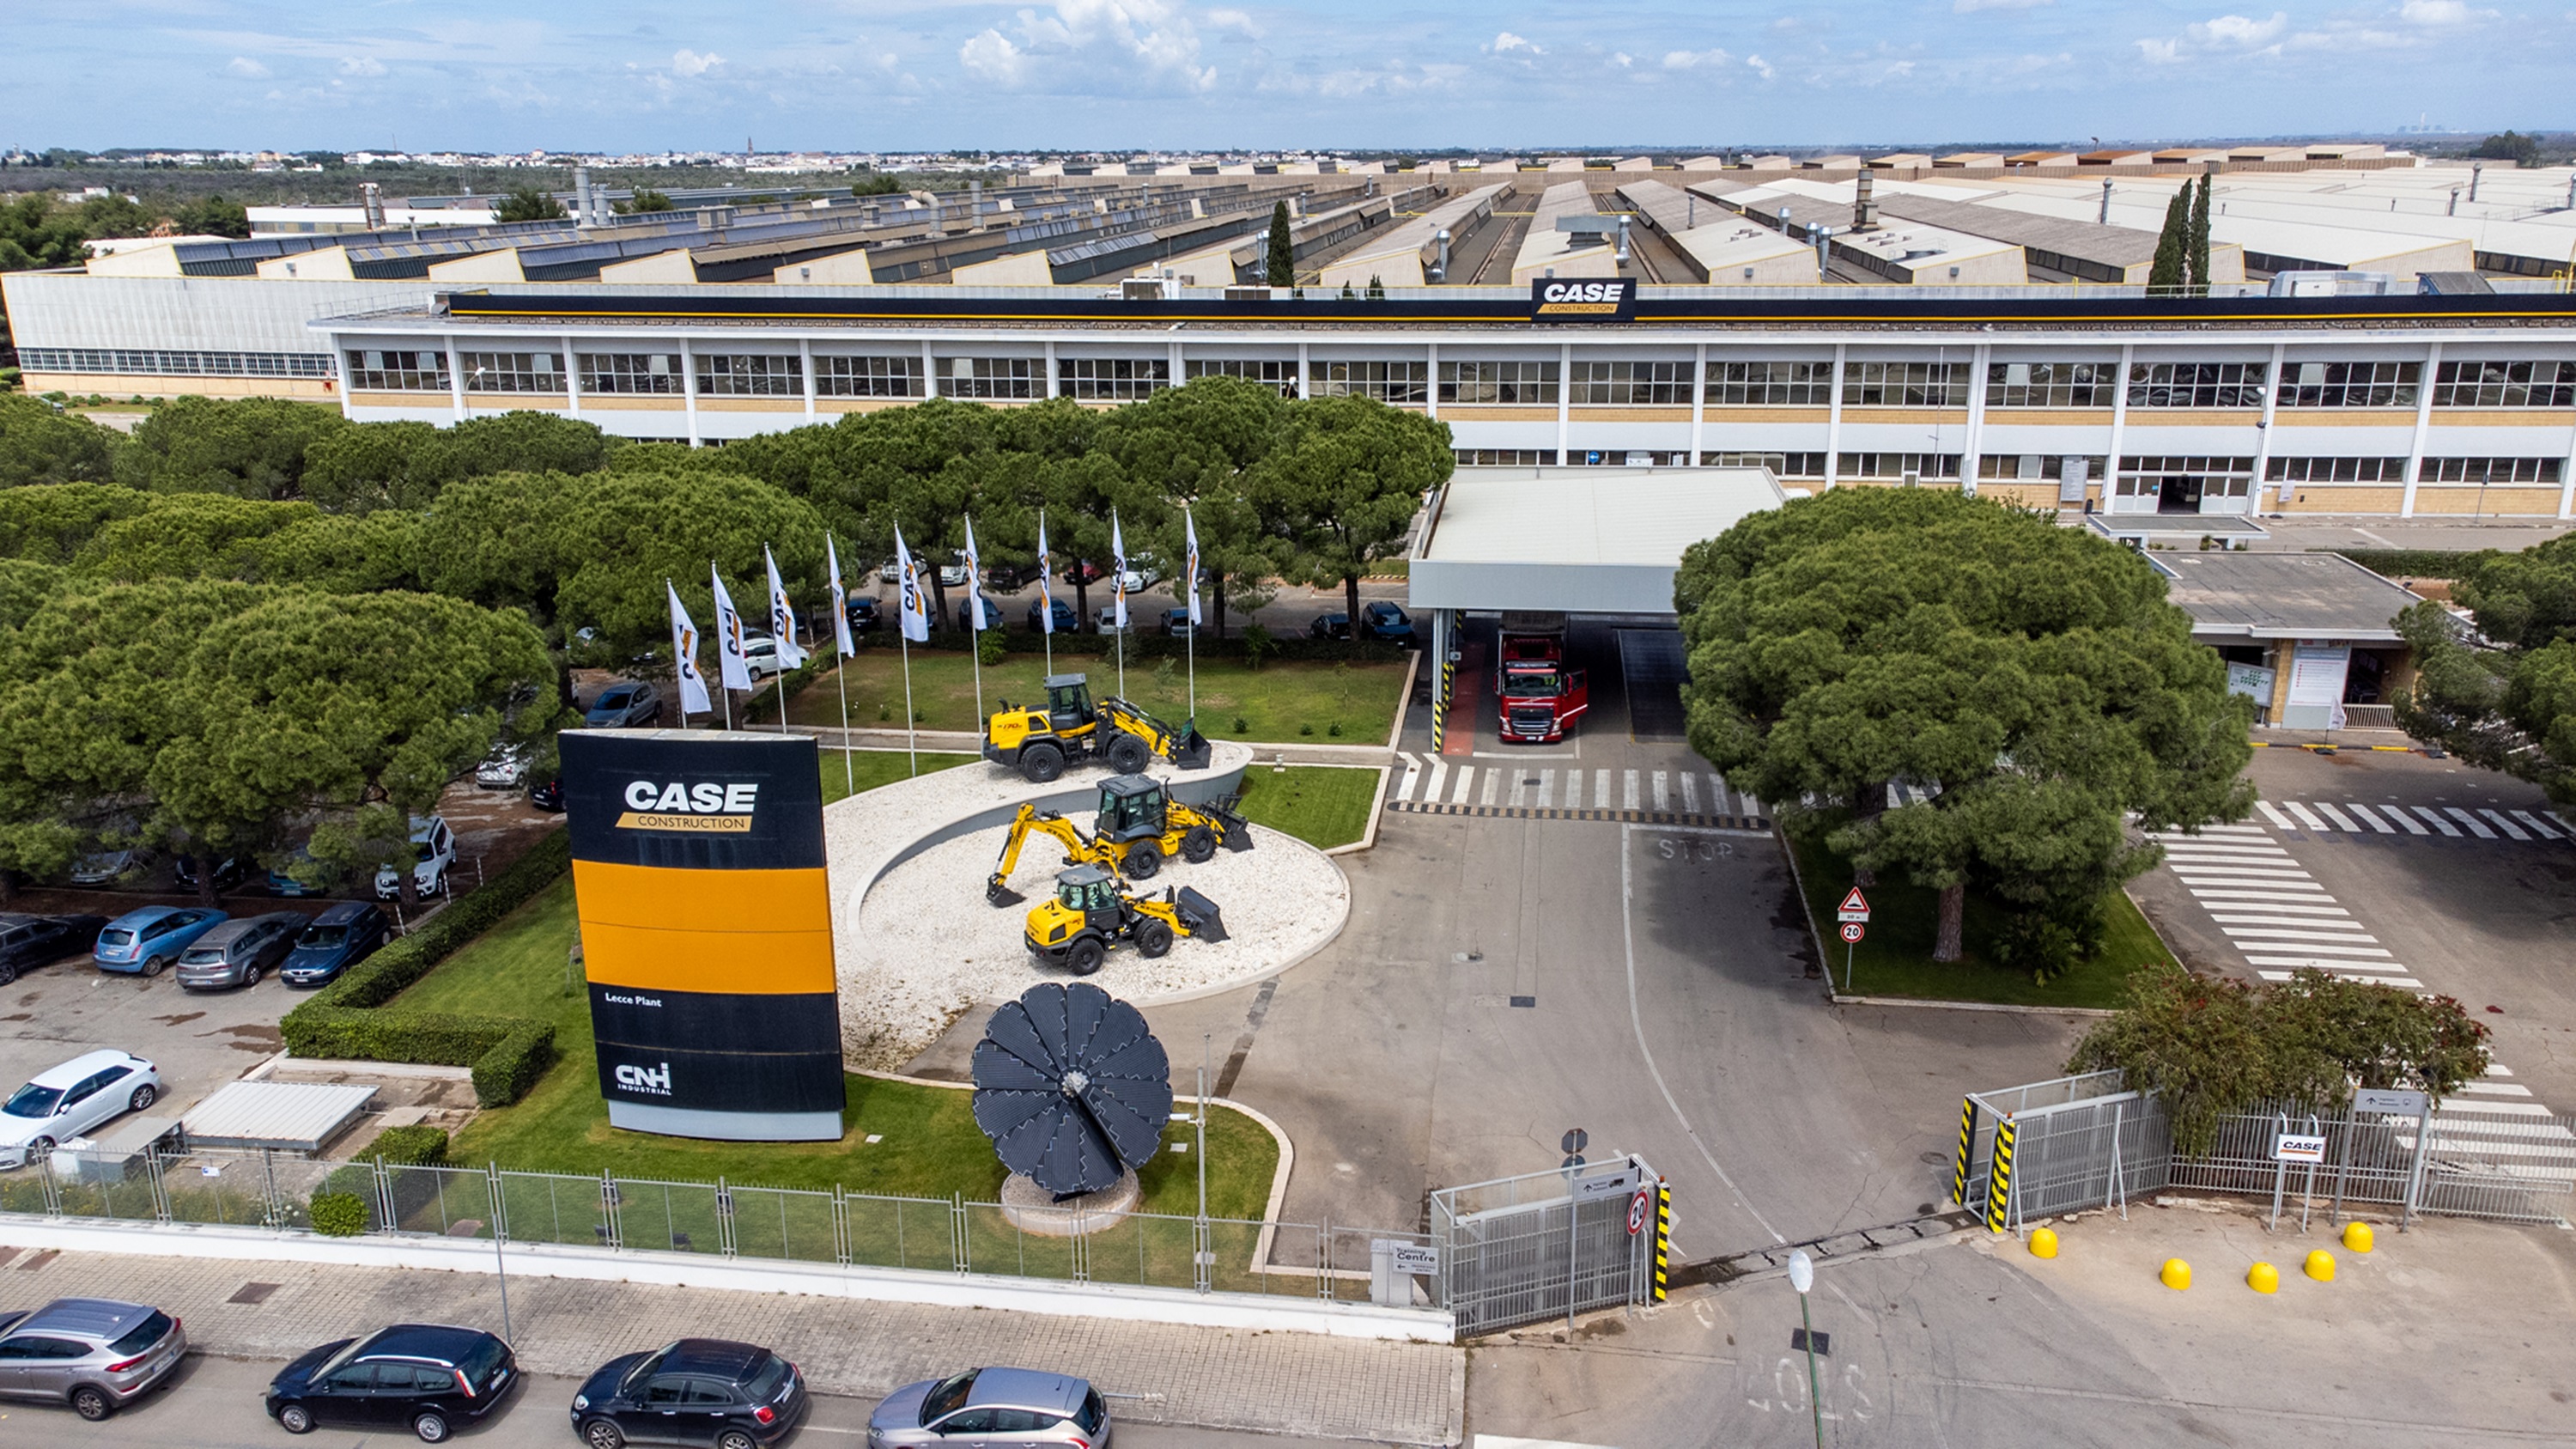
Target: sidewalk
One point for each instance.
(967, 742)
(1277, 1383)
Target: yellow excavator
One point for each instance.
(1040, 742)
(1139, 824)
(1090, 915)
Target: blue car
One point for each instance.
(1066, 620)
(332, 942)
(145, 942)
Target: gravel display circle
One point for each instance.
(924, 948)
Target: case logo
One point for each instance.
(701, 808)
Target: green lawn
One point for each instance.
(1322, 805)
(931, 1146)
(1895, 958)
(1274, 702)
(871, 768)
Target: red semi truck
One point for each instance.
(1538, 698)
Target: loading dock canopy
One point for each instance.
(1575, 539)
(2274, 596)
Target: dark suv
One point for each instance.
(424, 1377)
(343, 935)
(28, 941)
(697, 1391)
(95, 1354)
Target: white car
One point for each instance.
(434, 846)
(1106, 619)
(760, 656)
(953, 576)
(502, 769)
(72, 1100)
(890, 572)
(1143, 572)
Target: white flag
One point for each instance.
(1046, 594)
(735, 673)
(974, 571)
(840, 599)
(1190, 566)
(1117, 569)
(782, 619)
(915, 608)
(684, 653)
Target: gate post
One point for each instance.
(1967, 1140)
(1999, 1179)
(1663, 1237)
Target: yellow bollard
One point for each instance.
(2176, 1274)
(2263, 1278)
(2357, 1236)
(2043, 1244)
(2320, 1266)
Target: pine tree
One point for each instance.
(2198, 253)
(1281, 270)
(2165, 274)
(1376, 288)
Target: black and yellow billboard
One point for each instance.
(706, 930)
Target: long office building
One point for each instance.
(2449, 393)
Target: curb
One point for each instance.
(1377, 808)
(1839, 999)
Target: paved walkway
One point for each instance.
(1277, 1383)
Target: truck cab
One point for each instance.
(1537, 697)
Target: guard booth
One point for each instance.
(1548, 1244)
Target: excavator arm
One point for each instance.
(1079, 849)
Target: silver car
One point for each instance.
(239, 952)
(992, 1406)
(95, 1354)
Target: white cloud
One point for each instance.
(2439, 12)
(1506, 43)
(2239, 31)
(1971, 7)
(1694, 59)
(1233, 20)
(2160, 52)
(689, 62)
(992, 56)
(247, 68)
(361, 65)
(1622, 58)
(1087, 44)
(1760, 66)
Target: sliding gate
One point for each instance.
(1546, 1244)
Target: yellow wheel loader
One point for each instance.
(1040, 742)
(1079, 849)
(1140, 824)
(1089, 916)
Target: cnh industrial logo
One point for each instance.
(1611, 298)
(700, 807)
(655, 1080)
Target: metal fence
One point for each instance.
(1544, 1244)
(2086, 1142)
(267, 1190)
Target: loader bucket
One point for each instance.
(1190, 749)
(998, 893)
(1201, 915)
(1233, 831)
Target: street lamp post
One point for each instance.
(1802, 1276)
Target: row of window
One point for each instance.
(2052, 468)
(2059, 385)
(175, 364)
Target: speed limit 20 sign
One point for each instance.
(1852, 930)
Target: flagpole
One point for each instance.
(841, 676)
(911, 747)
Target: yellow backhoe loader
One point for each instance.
(1039, 743)
(1140, 824)
(1089, 916)
(1079, 849)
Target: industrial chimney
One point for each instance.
(1864, 206)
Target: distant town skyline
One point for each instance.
(930, 75)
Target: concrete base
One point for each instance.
(1033, 1209)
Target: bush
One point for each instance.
(418, 1146)
(338, 1214)
(505, 1073)
(990, 647)
(1257, 645)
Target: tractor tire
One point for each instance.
(1129, 754)
(1199, 846)
(1085, 955)
(1153, 938)
(1142, 861)
(1041, 763)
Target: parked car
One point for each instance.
(954, 575)
(239, 952)
(1083, 571)
(1175, 622)
(228, 872)
(299, 876)
(502, 769)
(1143, 572)
(696, 1391)
(95, 1354)
(623, 705)
(29, 941)
(1066, 620)
(992, 613)
(1330, 626)
(1382, 620)
(1010, 578)
(890, 572)
(1104, 619)
(104, 867)
(433, 846)
(72, 1100)
(992, 1406)
(863, 615)
(428, 1378)
(760, 656)
(143, 942)
(346, 933)
(547, 794)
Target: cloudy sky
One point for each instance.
(900, 74)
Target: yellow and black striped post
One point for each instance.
(1440, 705)
(1663, 1237)
(1967, 1140)
(1999, 1178)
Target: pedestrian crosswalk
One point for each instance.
(2330, 818)
(1434, 784)
(2280, 919)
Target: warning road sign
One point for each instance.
(1852, 930)
(1855, 907)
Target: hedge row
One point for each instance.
(2411, 563)
(1157, 646)
(347, 1019)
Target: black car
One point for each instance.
(30, 941)
(346, 933)
(863, 615)
(1330, 626)
(697, 1391)
(1010, 578)
(547, 794)
(1176, 622)
(228, 872)
(1066, 620)
(1382, 620)
(425, 1377)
